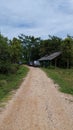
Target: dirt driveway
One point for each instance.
(38, 105)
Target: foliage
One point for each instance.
(4, 54)
(10, 53)
(16, 50)
(50, 45)
(31, 47)
(3, 83)
(67, 51)
(25, 49)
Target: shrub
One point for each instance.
(3, 83)
(5, 67)
(14, 68)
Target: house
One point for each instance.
(50, 58)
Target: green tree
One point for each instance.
(67, 51)
(4, 54)
(51, 45)
(54, 43)
(16, 50)
(31, 47)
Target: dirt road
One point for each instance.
(38, 105)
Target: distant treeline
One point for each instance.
(29, 48)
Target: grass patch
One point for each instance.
(63, 77)
(11, 82)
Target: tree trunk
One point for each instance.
(55, 63)
(67, 63)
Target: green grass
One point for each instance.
(11, 82)
(63, 77)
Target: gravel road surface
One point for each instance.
(38, 105)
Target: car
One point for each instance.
(30, 63)
(36, 63)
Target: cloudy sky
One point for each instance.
(36, 17)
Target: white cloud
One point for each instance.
(39, 18)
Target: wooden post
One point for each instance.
(55, 63)
(67, 63)
(50, 63)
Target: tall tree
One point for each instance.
(54, 43)
(48, 46)
(31, 47)
(67, 51)
(4, 54)
(16, 50)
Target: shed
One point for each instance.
(51, 57)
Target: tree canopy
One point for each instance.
(29, 48)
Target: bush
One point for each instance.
(14, 68)
(3, 83)
(7, 67)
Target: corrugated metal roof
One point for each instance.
(50, 57)
(43, 58)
